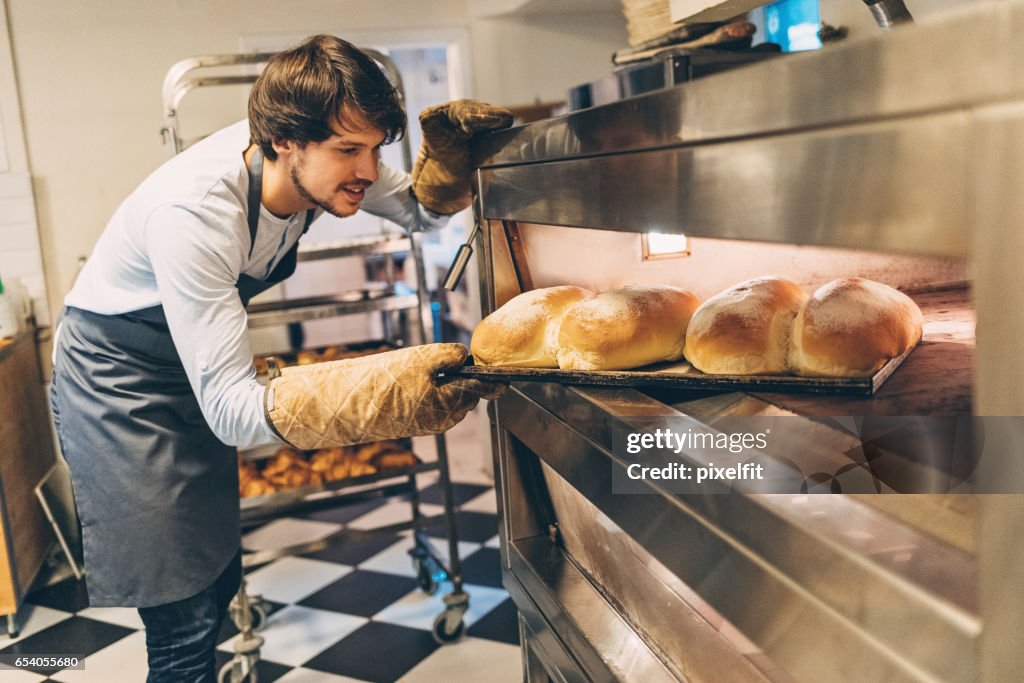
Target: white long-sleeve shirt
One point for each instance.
(181, 240)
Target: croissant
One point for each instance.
(256, 487)
(396, 459)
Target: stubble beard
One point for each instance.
(308, 196)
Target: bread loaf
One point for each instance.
(522, 332)
(625, 328)
(745, 330)
(851, 327)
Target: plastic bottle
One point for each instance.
(8, 317)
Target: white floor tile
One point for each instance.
(396, 559)
(288, 531)
(122, 616)
(463, 661)
(493, 543)
(125, 660)
(469, 449)
(293, 578)
(33, 619)
(14, 676)
(301, 675)
(485, 502)
(418, 610)
(393, 513)
(296, 634)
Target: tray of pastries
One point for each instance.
(289, 468)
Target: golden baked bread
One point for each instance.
(851, 327)
(368, 452)
(339, 463)
(289, 469)
(360, 469)
(745, 329)
(625, 328)
(250, 481)
(283, 459)
(261, 365)
(256, 487)
(394, 459)
(522, 332)
(332, 353)
(324, 459)
(307, 357)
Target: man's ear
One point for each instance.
(284, 147)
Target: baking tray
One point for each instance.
(682, 375)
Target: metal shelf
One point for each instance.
(319, 495)
(315, 308)
(356, 247)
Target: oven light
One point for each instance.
(657, 245)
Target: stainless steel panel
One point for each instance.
(649, 597)
(899, 186)
(879, 601)
(952, 62)
(550, 589)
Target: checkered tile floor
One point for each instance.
(345, 614)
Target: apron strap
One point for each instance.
(255, 195)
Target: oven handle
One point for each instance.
(458, 267)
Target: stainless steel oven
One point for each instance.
(900, 159)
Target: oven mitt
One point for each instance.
(442, 174)
(383, 396)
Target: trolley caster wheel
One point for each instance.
(429, 574)
(441, 633)
(236, 672)
(258, 612)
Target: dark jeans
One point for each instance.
(181, 636)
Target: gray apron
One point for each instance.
(156, 491)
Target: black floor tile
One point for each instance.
(376, 652)
(475, 527)
(483, 568)
(69, 596)
(461, 493)
(73, 636)
(362, 593)
(265, 671)
(501, 623)
(343, 514)
(357, 550)
(228, 629)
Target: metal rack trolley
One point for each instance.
(249, 612)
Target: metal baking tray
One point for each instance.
(682, 375)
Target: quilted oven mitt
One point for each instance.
(383, 396)
(442, 174)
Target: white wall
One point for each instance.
(523, 59)
(21, 263)
(857, 18)
(90, 73)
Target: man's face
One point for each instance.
(334, 174)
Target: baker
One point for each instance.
(153, 383)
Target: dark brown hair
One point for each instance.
(303, 90)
